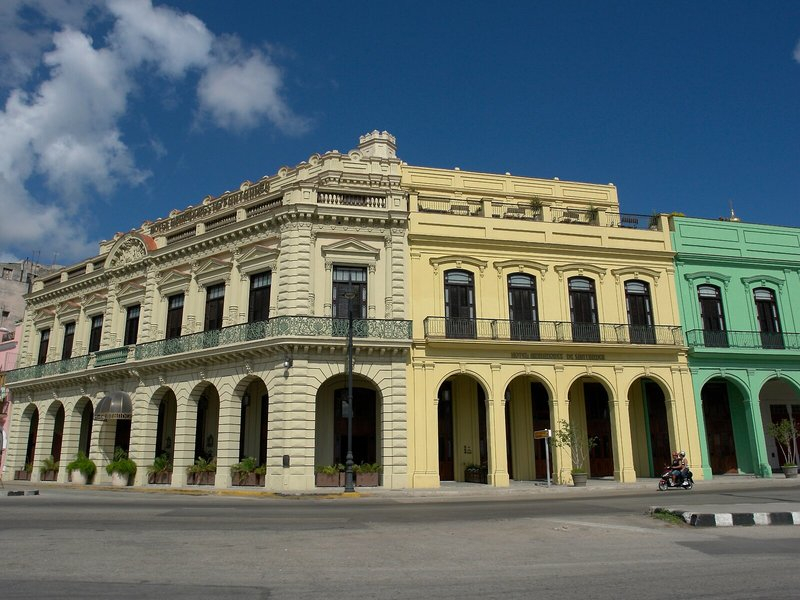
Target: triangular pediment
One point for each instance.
(350, 247)
(94, 301)
(258, 257)
(131, 290)
(174, 277)
(211, 269)
(67, 308)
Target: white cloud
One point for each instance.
(239, 90)
(174, 42)
(64, 133)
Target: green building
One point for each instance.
(739, 300)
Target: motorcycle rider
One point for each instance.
(675, 468)
(684, 466)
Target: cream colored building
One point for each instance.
(536, 301)
(532, 301)
(226, 323)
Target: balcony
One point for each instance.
(552, 331)
(755, 340)
(227, 337)
(537, 211)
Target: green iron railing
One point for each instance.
(286, 326)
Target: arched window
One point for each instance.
(640, 313)
(522, 309)
(712, 316)
(583, 310)
(769, 322)
(459, 304)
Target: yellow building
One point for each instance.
(536, 301)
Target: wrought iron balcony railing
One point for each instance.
(552, 331)
(317, 327)
(703, 338)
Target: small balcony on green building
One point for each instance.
(715, 340)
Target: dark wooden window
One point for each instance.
(459, 304)
(522, 309)
(44, 344)
(174, 316)
(132, 325)
(260, 289)
(712, 316)
(769, 322)
(69, 340)
(215, 304)
(346, 280)
(583, 310)
(640, 313)
(96, 333)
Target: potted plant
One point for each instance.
(81, 469)
(121, 468)
(474, 473)
(49, 469)
(202, 472)
(536, 207)
(591, 214)
(654, 220)
(579, 443)
(245, 472)
(329, 475)
(24, 474)
(785, 433)
(367, 474)
(160, 472)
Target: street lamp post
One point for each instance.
(348, 463)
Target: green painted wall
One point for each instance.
(738, 258)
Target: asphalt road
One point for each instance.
(93, 544)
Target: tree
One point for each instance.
(579, 443)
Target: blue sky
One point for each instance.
(115, 112)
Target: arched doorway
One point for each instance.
(527, 410)
(254, 422)
(778, 399)
(647, 409)
(206, 432)
(85, 411)
(331, 422)
(56, 412)
(31, 418)
(463, 438)
(165, 425)
(725, 419)
(588, 403)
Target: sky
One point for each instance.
(115, 112)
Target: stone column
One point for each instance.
(621, 428)
(228, 436)
(496, 423)
(559, 410)
(185, 430)
(69, 441)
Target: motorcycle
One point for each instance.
(681, 482)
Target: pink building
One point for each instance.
(9, 344)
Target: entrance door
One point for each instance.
(540, 406)
(719, 430)
(659, 430)
(364, 426)
(446, 459)
(598, 424)
(583, 308)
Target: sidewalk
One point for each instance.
(767, 513)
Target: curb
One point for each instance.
(722, 519)
(22, 493)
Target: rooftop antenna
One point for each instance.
(733, 218)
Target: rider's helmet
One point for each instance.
(682, 454)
